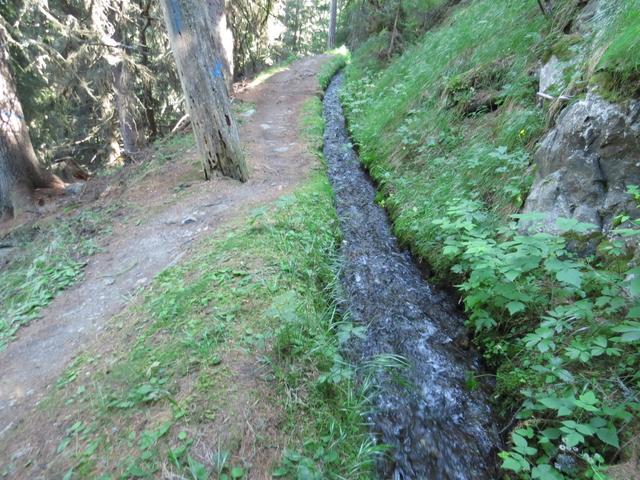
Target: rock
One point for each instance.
(75, 188)
(590, 17)
(551, 75)
(188, 220)
(585, 164)
(69, 171)
(567, 464)
(6, 252)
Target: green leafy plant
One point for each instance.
(560, 312)
(49, 258)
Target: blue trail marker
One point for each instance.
(216, 72)
(176, 16)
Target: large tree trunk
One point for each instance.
(20, 172)
(222, 38)
(202, 78)
(333, 14)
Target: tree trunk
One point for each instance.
(148, 102)
(222, 38)
(125, 109)
(296, 30)
(123, 84)
(202, 80)
(109, 24)
(333, 14)
(20, 172)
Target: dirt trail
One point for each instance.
(135, 254)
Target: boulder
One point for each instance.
(585, 164)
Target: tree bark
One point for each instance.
(222, 38)
(202, 78)
(125, 109)
(20, 172)
(148, 102)
(123, 84)
(110, 26)
(394, 32)
(333, 14)
(296, 28)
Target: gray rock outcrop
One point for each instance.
(551, 75)
(585, 164)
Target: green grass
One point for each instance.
(312, 124)
(340, 58)
(414, 136)
(50, 256)
(619, 65)
(448, 129)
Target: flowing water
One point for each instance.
(436, 426)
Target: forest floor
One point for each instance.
(159, 221)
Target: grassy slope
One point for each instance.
(243, 333)
(452, 175)
(407, 128)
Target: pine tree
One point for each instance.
(20, 172)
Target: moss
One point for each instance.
(511, 379)
(563, 47)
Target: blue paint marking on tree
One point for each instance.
(7, 116)
(216, 72)
(176, 16)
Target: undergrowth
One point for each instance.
(168, 148)
(447, 129)
(49, 257)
